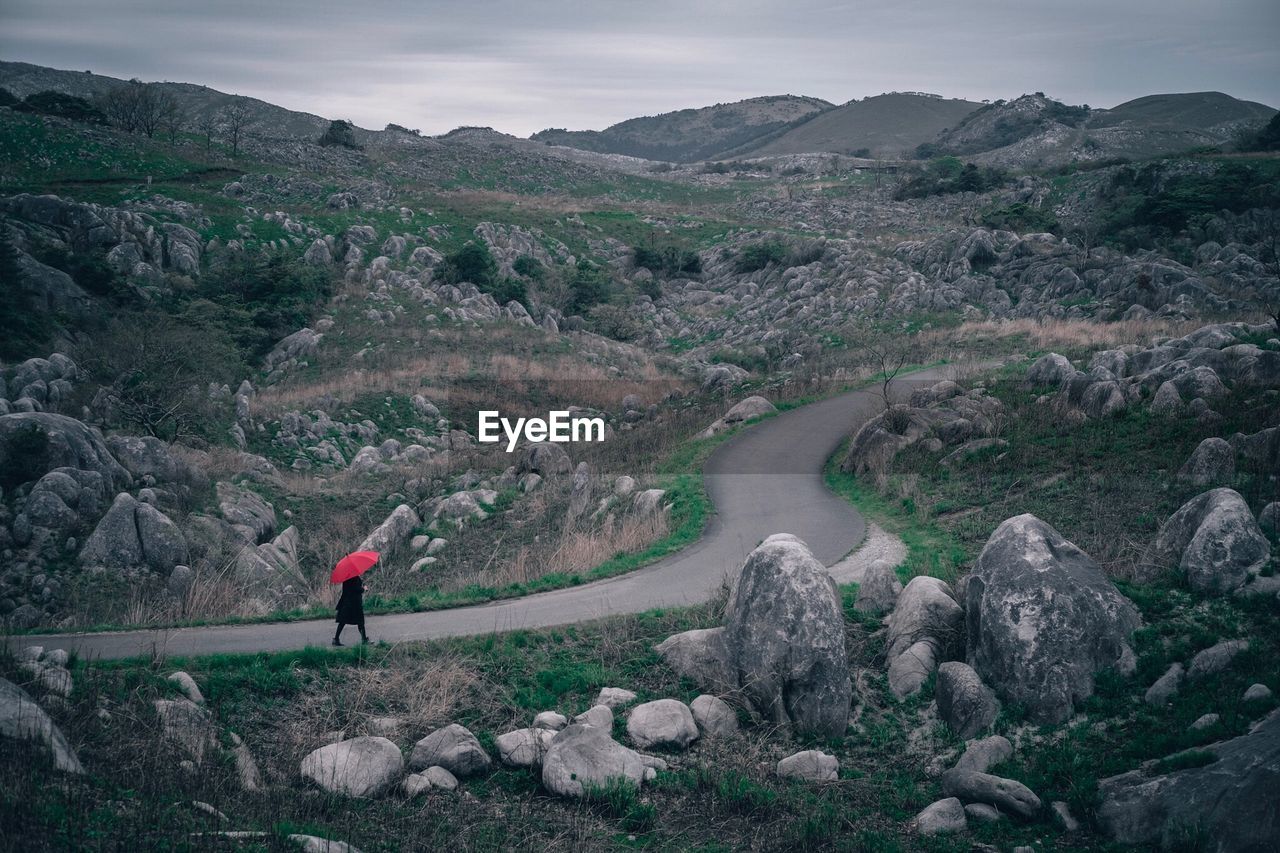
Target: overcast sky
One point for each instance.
(524, 65)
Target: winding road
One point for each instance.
(765, 480)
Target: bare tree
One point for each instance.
(235, 121)
(138, 107)
(173, 117)
(887, 357)
(206, 124)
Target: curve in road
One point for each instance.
(766, 480)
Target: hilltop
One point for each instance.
(889, 125)
(690, 135)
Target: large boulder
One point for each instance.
(360, 767)
(393, 533)
(1213, 462)
(133, 535)
(22, 719)
(878, 592)
(1049, 371)
(1043, 619)
(144, 456)
(253, 519)
(714, 716)
(454, 748)
(37, 442)
(1214, 541)
(749, 409)
(965, 704)
(663, 723)
(1231, 802)
(925, 627)
(585, 756)
(785, 634)
(702, 656)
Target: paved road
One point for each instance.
(766, 480)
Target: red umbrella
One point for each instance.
(353, 565)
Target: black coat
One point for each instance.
(351, 604)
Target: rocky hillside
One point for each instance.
(199, 102)
(890, 125)
(1037, 131)
(690, 135)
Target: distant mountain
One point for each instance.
(686, 136)
(1211, 112)
(1037, 131)
(885, 125)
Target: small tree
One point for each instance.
(886, 357)
(340, 133)
(235, 121)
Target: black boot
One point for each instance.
(336, 641)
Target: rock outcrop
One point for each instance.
(1231, 801)
(1043, 619)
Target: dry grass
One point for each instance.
(1075, 334)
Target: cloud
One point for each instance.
(522, 65)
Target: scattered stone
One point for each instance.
(551, 721)
(702, 656)
(186, 725)
(360, 767)
(982, 813)
(452, 747)
(664, 723)
(22, 719)
(879, 589)
(523, 747)
(187, 685)
(1007, 795)
(1212, 463)
(714, 716)
(983, 754)
(1166, 686)
(1216, 658)
(247, 773)
(1257, 693)
(598, 716)
(940, 818)
(809, 765)
(587, 756)
(1205, 722)
(614, 697)
(965, 704)
(926, 624)
(1062, 812)
(315, 844)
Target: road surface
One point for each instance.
(765, 480)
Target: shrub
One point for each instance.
(23, 325)
(7, 98)
(272, 292)
(27, 458)
(1018, 216)
(614, 321)
(757, 256)
(61, 106)
(340, 133)
(472, 263)
(949, 175)
(529, 267)
(668, 260)
(588, 286)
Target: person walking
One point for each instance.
(351, 608)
